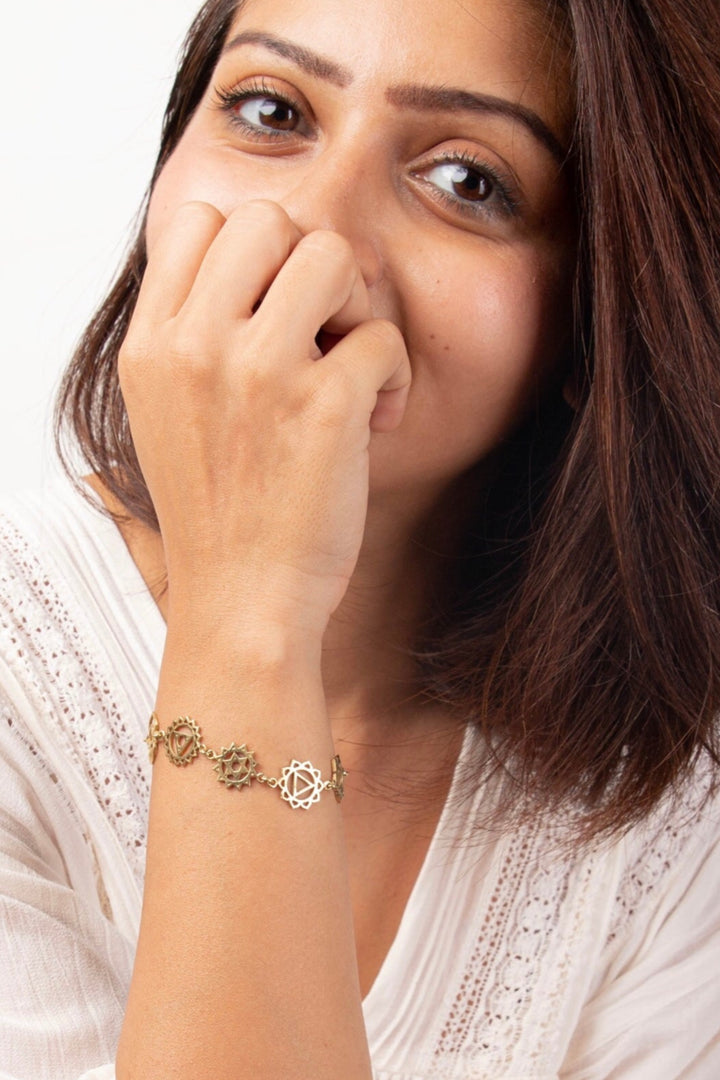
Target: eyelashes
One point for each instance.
(483, 184)
(459, 181)
(259, 98)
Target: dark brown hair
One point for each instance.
(580, 623)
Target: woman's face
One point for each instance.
(429, 133)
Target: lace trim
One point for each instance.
(664, 839)
(525, 931)
(523, 985)
(51, 655)
(504, 1016)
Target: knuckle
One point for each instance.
(187, 354)
(196, 212)
(187, 361)
(264, 213)
(133, 355)
(253, 382)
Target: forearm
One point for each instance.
(246, 962)
(255, 450)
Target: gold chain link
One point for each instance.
(300, 784)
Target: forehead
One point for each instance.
(509, 48)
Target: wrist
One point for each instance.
(270, 610)
(258, 680)
(235, 634)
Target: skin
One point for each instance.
(478, 297)
(331, 329)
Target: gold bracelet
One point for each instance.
(300, 785)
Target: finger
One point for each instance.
(243, 260)
(320, 284)
(372, 363)
(174, 261)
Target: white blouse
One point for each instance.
(514, 958)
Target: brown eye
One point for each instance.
(460, 180)
(268, 112)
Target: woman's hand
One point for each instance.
(254, 444)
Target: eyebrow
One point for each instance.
(446, 99)
(318, 66)
(419, 98)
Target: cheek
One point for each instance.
(184, 180)
(172, 189)
(509, 341)
(486, 342)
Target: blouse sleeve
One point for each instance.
(65, 968)
(656, 1013)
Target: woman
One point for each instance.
(404, 407)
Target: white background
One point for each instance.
(83, 84)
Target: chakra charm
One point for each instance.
(337, 784)
(154, 738)
(236, 767)
(301, 785)
(182, 741)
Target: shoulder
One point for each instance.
(45, 535)
(53, 572)
(80, 636)
(665, 856)
(565, 955)
(80, 646)
(652, 1007)
(40, 539)
(66, 575)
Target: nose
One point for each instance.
(339, 193)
